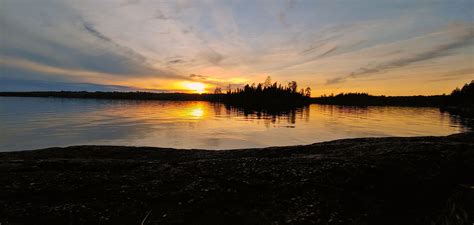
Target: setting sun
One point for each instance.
(196, 87)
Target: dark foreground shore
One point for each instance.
(420, 180)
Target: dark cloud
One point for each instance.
(282, 18)
(198, 76)
(326, 47)
(364, 70)
(129, 52)
(319, 43)
(455, 75)
(160, 15)
(176, 61)
(90, 28)
(107, 56)
(130, 2)
(289, 4)
(189, 29)
(134, 60)
(218, 83)
(212, 56)
(331, 50)
(12, 84)
(47, 46)
(336, 80)
(210, 80)
(435, 52)
(459, 72)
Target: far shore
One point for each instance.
(359, 100)
(397, 180)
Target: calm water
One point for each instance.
(32, 123)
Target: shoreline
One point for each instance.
(387, 180)
(52, 149)
(404, 101)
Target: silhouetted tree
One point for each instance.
(459, 101)
(268, 82)
(259, 88)
(308, 92)
(267, 95)
(293, 86)
(462, 96)
(218, 90)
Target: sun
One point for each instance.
(196, 87)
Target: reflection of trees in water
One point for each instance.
(466, 122)
(338, 109)
(288, 116)
(268, 116)
(217, 107)
(456, 119)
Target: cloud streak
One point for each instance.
(75, 74)
(464, 39)
(90, 28)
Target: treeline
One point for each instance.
(115, 95)
(462, 97)
(364, 99)
(460, 101)
(262, 95)
(273, 96)
(267, 95)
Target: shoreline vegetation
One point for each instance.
(268, 96)
(460, 101)
(395, 180)
(273, 99)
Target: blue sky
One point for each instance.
(380, 47)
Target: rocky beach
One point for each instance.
(394, 180)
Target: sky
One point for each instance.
(383, 47)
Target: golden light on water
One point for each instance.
(196, 112)
(180, 111)
(195, 87)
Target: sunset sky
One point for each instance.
(389, 47)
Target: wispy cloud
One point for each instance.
(198, 76)
(160, 15)
(464, 38)
(288, 5)
(90, 28)
(212, 56)
(467, 73)
(78, 75)
(13, 84)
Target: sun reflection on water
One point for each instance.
(196, 112)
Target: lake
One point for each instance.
(33, 123)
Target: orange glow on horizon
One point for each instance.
(196, 87)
